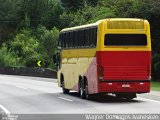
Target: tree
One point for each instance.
(149, 10)
(25, 46)
(92, 2)
(48, 40)
(73, 5)
(87, 15)
(7, 19)
(7, 58)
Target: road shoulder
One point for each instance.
(153, 95)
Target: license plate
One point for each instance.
(126, 85)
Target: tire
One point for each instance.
(82, 90)
(79, 88)
(65, 91)
(87, 95)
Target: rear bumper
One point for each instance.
(124, 87)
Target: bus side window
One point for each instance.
(79, 41)
(87, 37)
(83, 38)
(79, 38)
(91, 37)
(95, 37)
(60, 40)
(71, 39)
(64, 40)
(76, 40)
(67, 40)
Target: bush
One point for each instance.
(26, 47)
(34, 45)
(8, 59)
(156, 66)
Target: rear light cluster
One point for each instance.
(149, 72)
(149, 77)
(101, 72)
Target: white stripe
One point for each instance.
(4, 109)
(148, 100)
(21, 87)
(65, 99)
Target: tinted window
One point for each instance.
(64, 40)
(71, 39)
(60, 40)
(81, 38)
(74, 39)
(91, 37)
(125, 39)
(95, 36)
(87, 37)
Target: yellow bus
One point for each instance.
(109, 56)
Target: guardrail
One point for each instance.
(25, 71)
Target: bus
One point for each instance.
(111, 56)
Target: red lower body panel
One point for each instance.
(121, 87)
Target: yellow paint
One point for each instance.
(75, 62)
(145, 30)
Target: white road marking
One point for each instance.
(21, 87)
(4, 109)
(148, 100)
(66, 99)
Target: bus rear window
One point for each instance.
(125, 40)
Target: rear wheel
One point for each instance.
(87, 95)
(65, 91)
(81, 89)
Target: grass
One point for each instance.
(155, 86)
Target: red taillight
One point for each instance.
(149, 72)
(101, 72)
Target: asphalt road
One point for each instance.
(30, 95)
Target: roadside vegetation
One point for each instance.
(155, 86)
(29, 29)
